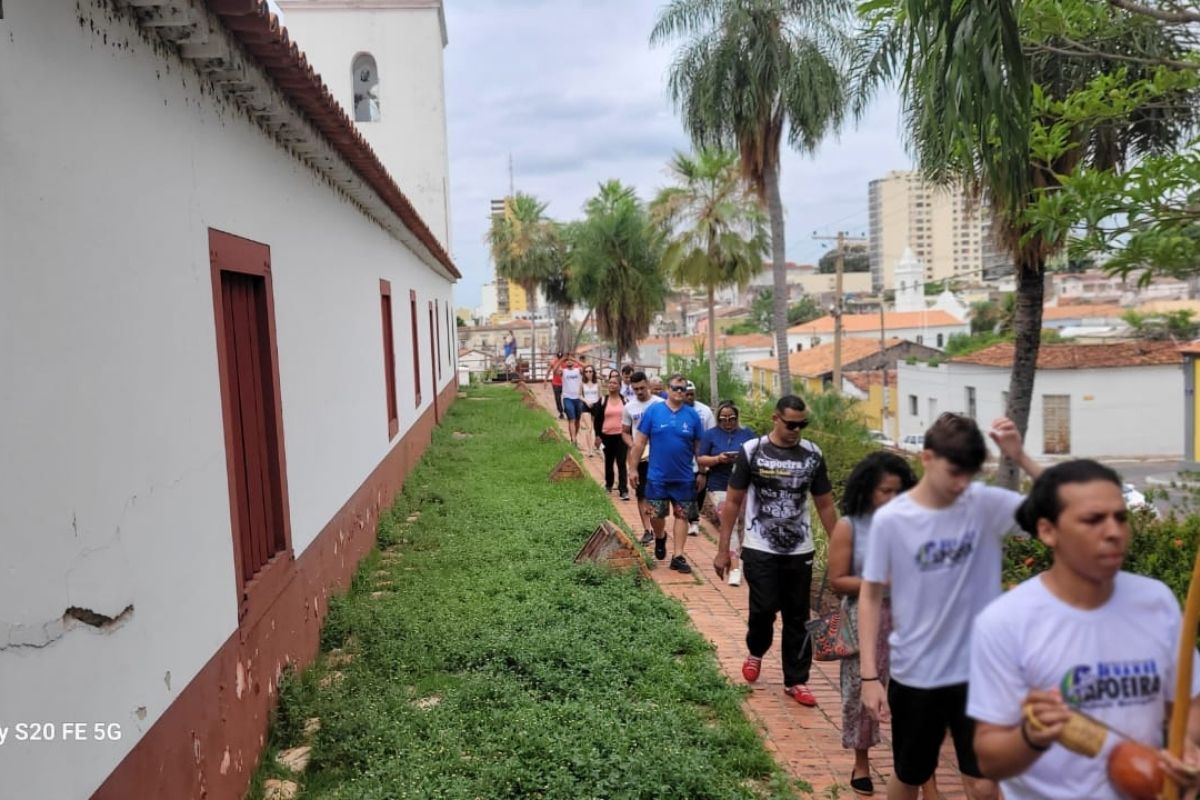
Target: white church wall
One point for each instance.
(113, 488)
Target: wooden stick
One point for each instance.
(1183, 674)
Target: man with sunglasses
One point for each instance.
(772, 479)
(673, 430)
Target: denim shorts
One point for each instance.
(573, 407)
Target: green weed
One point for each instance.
(494, 667)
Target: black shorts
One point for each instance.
(643, 472)
(920, 718)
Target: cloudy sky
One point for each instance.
(572, 89)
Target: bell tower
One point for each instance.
(382, 60)
(910, 283)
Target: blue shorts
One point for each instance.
(573, 407)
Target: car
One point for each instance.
(881, 439)
(913, 442)
(1136, 501)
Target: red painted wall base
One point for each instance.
(207, 743)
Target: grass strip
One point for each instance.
(494, 667)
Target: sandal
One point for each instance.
(864, 786)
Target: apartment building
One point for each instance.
(948, 232)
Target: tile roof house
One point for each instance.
(1082, 315)
(1074, 356)
(812, 369)
(1089, 400)
(931, 328)
(742, 349)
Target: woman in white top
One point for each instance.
(1082, 636)
(590, 389)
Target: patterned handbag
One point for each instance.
(833, 632)
(833, 636)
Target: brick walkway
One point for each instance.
(807, 742)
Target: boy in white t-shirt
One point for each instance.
(631, 415)
(939, 546)
(1083, 635)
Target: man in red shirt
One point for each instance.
(556, 381)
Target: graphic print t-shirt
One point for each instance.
(572, 380)
(1115, 663)
(944, 568)
(778, 481)
(674, 435)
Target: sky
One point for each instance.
(574, 92)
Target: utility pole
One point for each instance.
(884, 406)
(842, 240)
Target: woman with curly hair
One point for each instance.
(873, 482)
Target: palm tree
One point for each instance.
(973, 93)
(615, 265)
(717, 234)
(748, 72)
(523, 242)
(526, 247)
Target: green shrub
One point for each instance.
(695, 369)
(1160, 548)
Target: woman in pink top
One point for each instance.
(608, 418)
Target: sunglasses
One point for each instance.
(795, 426)
(678, 388)
(727, 419)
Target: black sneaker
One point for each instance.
(625, 496)
(660, 548)
(680, 564)
(647, 538)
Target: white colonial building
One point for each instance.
(741, 349)
(227, 339)
(1088, 400)
(930, 327)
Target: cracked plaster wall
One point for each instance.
(113, 490)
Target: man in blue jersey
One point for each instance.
(673, 430)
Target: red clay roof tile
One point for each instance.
(1082, 356)
(252, 23)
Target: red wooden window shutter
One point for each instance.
(438, 317)
(389, 357)
(412, 307)
(248, 367)
(433, 359)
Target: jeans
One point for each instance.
(615, 451)
(780, 584)
(558, 399)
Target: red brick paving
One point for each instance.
(807, 742)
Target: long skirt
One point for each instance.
(859, 730)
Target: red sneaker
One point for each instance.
(801, 694)
(751, 667)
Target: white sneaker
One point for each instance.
(735, 577)
(693, 529)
